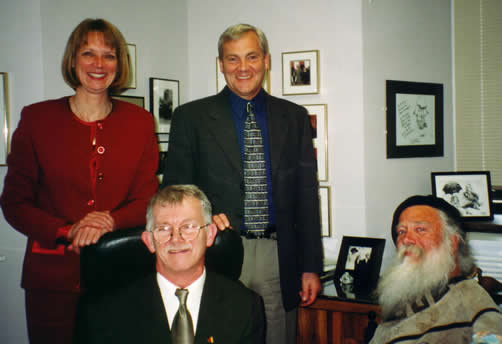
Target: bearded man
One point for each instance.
(427, 295)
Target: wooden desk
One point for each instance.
(333, 321)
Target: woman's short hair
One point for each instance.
(113, 38)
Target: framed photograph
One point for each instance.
(319, 119)
(414, 119)
(469, 192)
(139, 101)
(300, 72)
(131, 50)
(358, 264)
(221, 82)
(325, 207)
(4, 118)
(164, 98)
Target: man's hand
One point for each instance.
(221, 221)
(311, 286)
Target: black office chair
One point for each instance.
(121, 256)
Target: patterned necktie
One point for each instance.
(182, 329)
(255, 176)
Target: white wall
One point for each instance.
(362, 43)
(403, 40)
(33, 34)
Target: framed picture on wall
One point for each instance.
(469, 192)
(325, 207)
(4, 118)
(221, 82)
(319, 120)
(414, 119)
(164, 99)
(139, 101)
(358, 265)
(131, 51)
(300, 72)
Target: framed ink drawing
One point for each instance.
(131, 50)
(319, 120)
(164, 98)
(4, 118)
(469, 192)
(300, 72)
(414, 119)
(358, 264)
(139, 101)
(325, 209)
(221, 82)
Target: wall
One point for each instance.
(33, 34)
(411, 41)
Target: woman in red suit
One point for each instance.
(80, 166)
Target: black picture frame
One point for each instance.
(414, 119)
(358, 266)
(136, 100)
(468, 191)
(164, 99)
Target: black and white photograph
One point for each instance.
(358, 265)
(414, 119)
(469, 192)
(300, 72)
(164, 98)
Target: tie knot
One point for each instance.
(249, 107)
(182, 295)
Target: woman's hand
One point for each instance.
(88, 230)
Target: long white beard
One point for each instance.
(408, 280)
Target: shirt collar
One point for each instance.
(238, 104)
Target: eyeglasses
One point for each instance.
(186, 232)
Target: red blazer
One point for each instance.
(50, 184)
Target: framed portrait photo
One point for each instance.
(300, 72)
(164, 98)
(131, 51)
(139, 101)
(318, 114)
(469, 192)
(4, 118)
(358, 265)
(221, 82)
(414, 119)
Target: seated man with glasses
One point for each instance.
(182, 302)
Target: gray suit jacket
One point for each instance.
(229, 313)
(204, 150)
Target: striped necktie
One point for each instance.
(255, 176)
(182, 329)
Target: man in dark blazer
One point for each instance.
(179, 230)
(206, 148)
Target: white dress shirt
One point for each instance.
(171, 301)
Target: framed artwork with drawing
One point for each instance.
(414, 119)
(164, 99)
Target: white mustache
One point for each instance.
(173, 247)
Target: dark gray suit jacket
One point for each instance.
(229, 312)
(204, 150)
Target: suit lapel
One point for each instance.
(221, 126)
(155, 318)
(209, 315)
(277, 132)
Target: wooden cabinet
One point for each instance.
(333, 321)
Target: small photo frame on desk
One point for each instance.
(414, 119)
(358, 266)
(468, 191)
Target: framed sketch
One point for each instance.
(4, 118)
(131, 50)
(358, 264)
(469, 192)
(164, 98)
(319, 120)
(139, 101)
(300, 72)
(414, 119)
(325, 207)
(221, 82)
